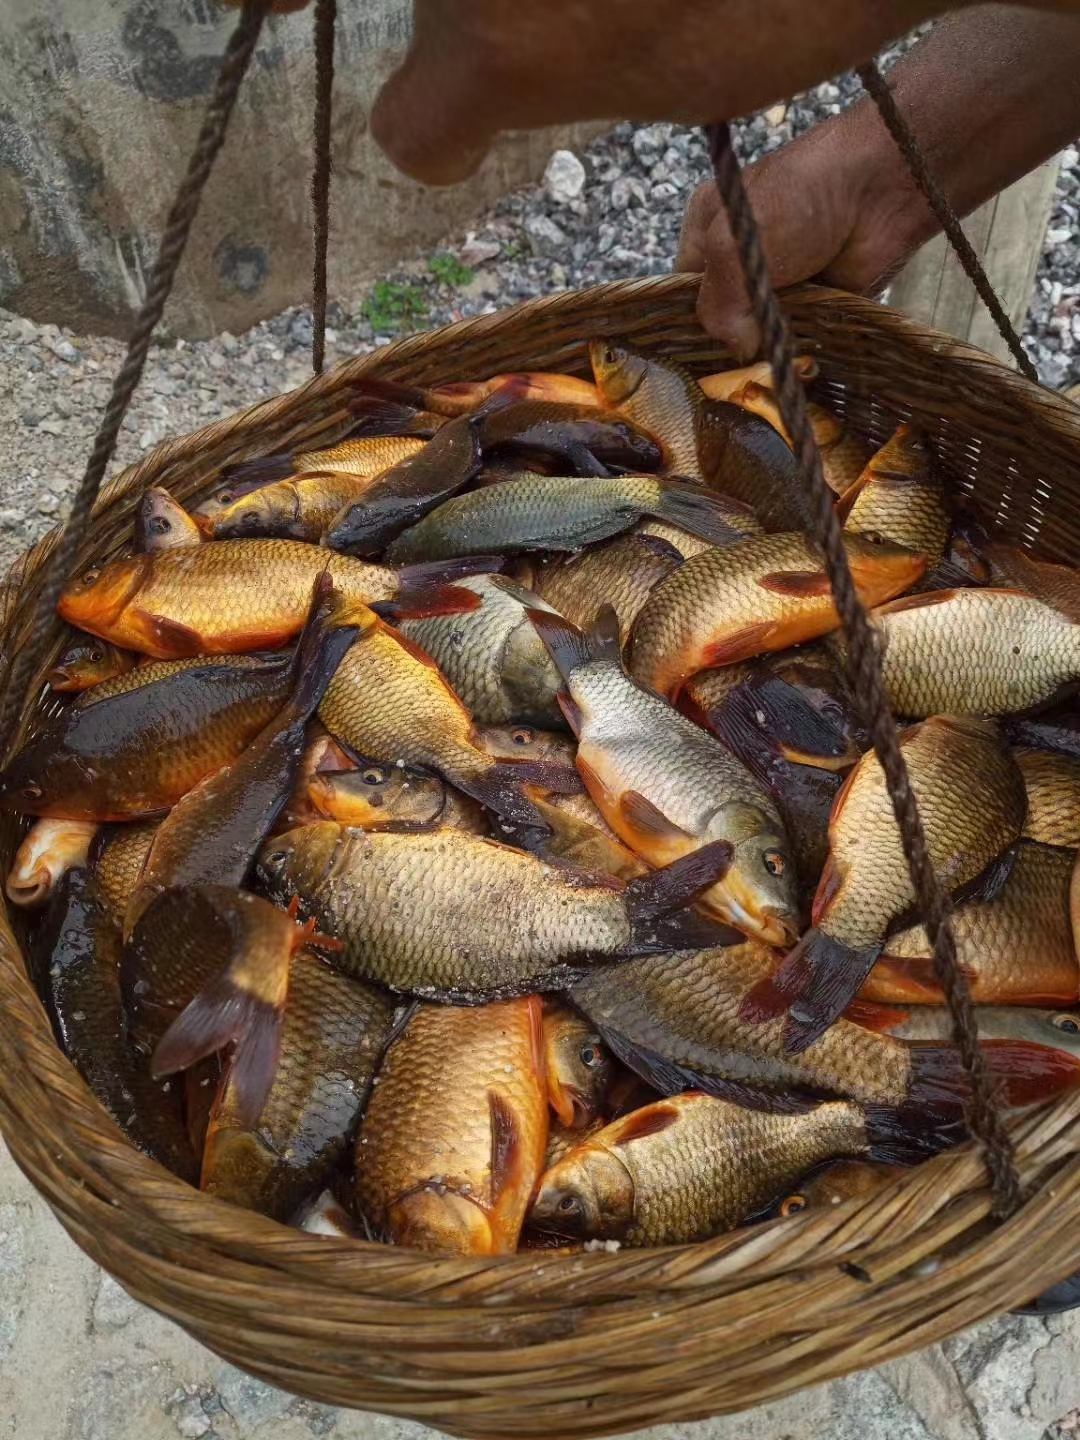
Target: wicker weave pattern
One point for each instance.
(598, 1343)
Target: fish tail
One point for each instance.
(905, 1135)
(566, 644)
(422, 601)
(1025, 1073)
(321, 648)
(696, 509)
(263, 470)
(814, 985)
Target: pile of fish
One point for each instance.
(465, 837)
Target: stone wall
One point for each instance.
(100, 102)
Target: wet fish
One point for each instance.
(321, 753)
(454, 1137)
(1059, 1029)
(838, 1182)
(900, 497)
(972, 652)
(578, 1066)
(621, 572)
(1015, 949)
(666, 787)
(971, 799)
(131, 747)
(212, 834)
(463, 397)
(526, 742)
(364, 455)
(556, 512)
(450, 916)
(117, 858)
(48, 852)
(675, 1020)
(740, 518)
(206, 968)
(580, 438)
(405, 493)
(376, 797)
(162, 523)
(301, 508)
(571, 838)
(75, 962)
(216, 599)
(332, 1036)
(389, 702)
(1053, 792)
(737, 601)
(88, 662)
(492, 657)
(691, 1166)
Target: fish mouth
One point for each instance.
(848, 757)
(759, 922)
(109, 595)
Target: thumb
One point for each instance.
(423, 120)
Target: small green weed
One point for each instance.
(391, 307)
(448, 270)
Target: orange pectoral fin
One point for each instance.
(882, 1019)
(641, 1123)
(798, 584)
(736, 645)
(897, 980)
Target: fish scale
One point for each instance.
(620, 573)
(1052, 783)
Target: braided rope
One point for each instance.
(325, 21)
(864, 668)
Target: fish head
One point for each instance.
(51, 849)
(588, 1195)
(1058, 1028)
(269, 510)
(88, 662)
(161, 523)
(618, 372)
(96, 600)
(377, 795)
(760, 890)
(618, 442)
(299, 860)
(843, 1180)
(880, 568)
(578, 1064)
(525, 742)
(434, 1218)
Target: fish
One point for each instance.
(663, 398)
(900, 497)
(407, 491)
(975, 652)
(970, 795)
(675, 1020)
(162, 523)
(321, 753)
(116, 860)
(724, 384)
(206, 968)
(378, 797)
(131, 747)
(556, 512)
(300, 508)
(623, 572)
(563, 1138)
(741, 600)
(844, 453)
(88, 662)
(571, 838)
(74, 960)
(333, 1035)
(1058, 1029)
(1015, 949)
(364, 455)
(234, 595)
(526, 742)
(578, 1066)
(691, 1166)
(838, 1182)
(48, 852)
(212, 834)
(463, 397)
(666, 787)
(580, 437)
(449, 916)
(492, 657)
(454, 1137)
(389, 702)
(1057, 585)
(740, 518)
(1052, 783)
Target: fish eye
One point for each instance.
(590, 1054)
(373, 775)
(160, 526)
(94, 653)
(775, 863)
(522, 737)
(1067, 1024)
(569, 1205)
(276, 857)
(875, 537)
(91, 576)
(793, 1204)
(31, 790)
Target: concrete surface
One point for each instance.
(100, 102)
(81, 1360)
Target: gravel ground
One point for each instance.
(615, 213)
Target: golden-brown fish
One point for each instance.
(332, 1037)
(666, 786)
(971, 799)
(462, 397)
(375, 797)
(525, 742)
(621, 572)
(900, 497)
(580, 840)
(975, 652)
(449, 916)
(1053, 790)
(367, 455)
(454, 1138)
(573, 439)
(741, 600)
(844, 454)
(51, 848)
(578, 1066)
(301, 508)
(838, 1182)
(117, 858)
(88, 662)
(689, 1167)
(162, 523)
(1016, 949)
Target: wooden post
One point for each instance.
(1008, 233)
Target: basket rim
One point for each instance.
(176, 1211)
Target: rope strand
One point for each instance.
(325, 22)
(876, 86)
(864, 667)
(57, 568)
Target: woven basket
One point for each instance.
(590, 1344)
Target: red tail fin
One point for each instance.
(1027, 1074)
